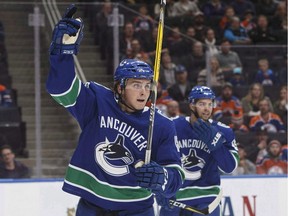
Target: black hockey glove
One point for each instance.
(152, 176)
(67, 34)
(212, 137)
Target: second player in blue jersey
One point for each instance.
(208, 148)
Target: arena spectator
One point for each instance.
(265, 75)
(245, 166)
(281, 105)
(227, 104)
(210, 42)
(184, 8)
(168, 8)
(279, 23)
(226, 18)
(149, 45)
(248, 21)
(3, 59)
(257, 147)
(173, 109)
(167, 71)
(262, 33)
(266, 120)
(250, 102)
(236, 34)
(2, 87)
(102, 28)
(240, 6)
(214, 8)
(227, 58)
(215, 74)
(237, 123)
(9, 166)
(138, 52)
(189, 40)
(282, 72)
(143, 24)
(6, 99)
(126, 38)
(199, 26)
(237, 78)
(175, 44)
(266, 7)
(272, 163)
(279, 16)
(195, 61)
(284, 153)
(2, 32)
(181, 89)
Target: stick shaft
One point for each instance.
(208, 210)
(154, 83)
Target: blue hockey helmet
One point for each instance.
(131, 68)
(200, 92)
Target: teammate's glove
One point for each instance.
(67, 34)
(212, 137)
(152, 176)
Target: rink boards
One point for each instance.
(247, 195)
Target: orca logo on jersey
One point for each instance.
(192, 165)
(113, 157)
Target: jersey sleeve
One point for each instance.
(168, 155)
(66, 89)
(227, 155)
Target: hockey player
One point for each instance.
(114, 133)
(208, 148)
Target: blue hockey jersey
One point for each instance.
(202, 168)
(102, 167)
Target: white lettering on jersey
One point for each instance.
(193, 143)
(128, 131)
(216, 139)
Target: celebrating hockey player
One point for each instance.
(114, 133)
(208, 148)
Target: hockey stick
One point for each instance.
(155, 81)
(208, 210)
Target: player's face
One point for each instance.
(204, 108)
(136, 94)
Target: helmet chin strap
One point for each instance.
(195, 113)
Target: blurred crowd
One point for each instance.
(238, 48)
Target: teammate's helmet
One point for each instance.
(200, 92)
(131, 68)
